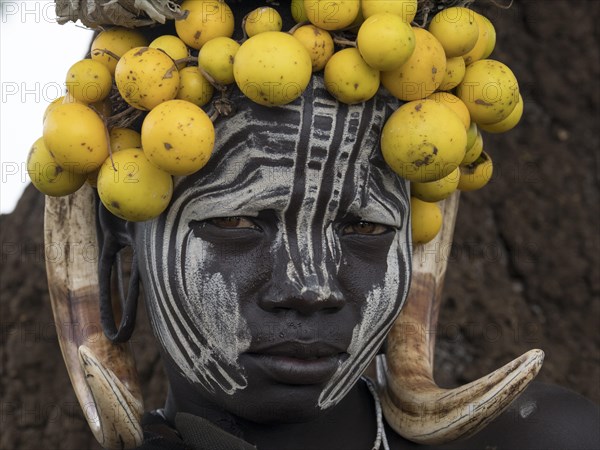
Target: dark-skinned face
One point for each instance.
(276, 272)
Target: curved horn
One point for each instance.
(103, 374)
(413, 404)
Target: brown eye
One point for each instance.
(232, 222)
(363, 227)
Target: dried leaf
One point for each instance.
(125, 13)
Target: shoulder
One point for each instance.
(544, 416)
(159, 434)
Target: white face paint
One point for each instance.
(184, 302)
(304, 171)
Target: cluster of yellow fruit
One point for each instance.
(452, 92)
(132, 171)
(432, 140)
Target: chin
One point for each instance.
(276, 403)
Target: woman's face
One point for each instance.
(275, 274)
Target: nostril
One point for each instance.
(332, 310)
(278, 309)
(304, 301)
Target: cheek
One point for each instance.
(219, 282)
(195, 290)
(245, 267)
(377, 288)
(366, 267)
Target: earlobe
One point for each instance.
(114, 234)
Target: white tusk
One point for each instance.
(103, 374)
(413, 404)
(117, 411)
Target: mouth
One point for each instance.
(298, 363)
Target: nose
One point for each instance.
(285, 295)
(304, 270)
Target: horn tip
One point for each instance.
(117, 411)
(536, 358)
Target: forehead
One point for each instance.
(313, 150)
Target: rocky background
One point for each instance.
(524, 271)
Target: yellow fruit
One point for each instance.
(349, 78)
(425, 220)
(178, 137)
(483, 41)
(194, 87)
(455, 71)
(491, 37)
(68, 98)
(331, 14)
(507, 124)
(51, 106)
(318, 43)
(423, 141)
(272, 68)
(118, 41)
(262, 19)
(206, 20)
(76, 137)
(477, 174)
(298, 11)
(455, 104)
(172, 46)
(385, 41)
(422, 73)
(435, 191)
(471, 134)
(132, 188)
(216, 59)
(406, 9)
(55, 103)
(490, 91)
(47, 176)
(456, 29)
(146, 77)
(474, 150)
(122, 138)
(89, 81)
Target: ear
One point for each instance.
(114, 234)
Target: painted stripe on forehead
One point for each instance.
(294, 206)
(240, 151)
(326, 207)
(348, 197)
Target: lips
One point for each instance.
(298, 363)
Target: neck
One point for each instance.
(349, 424)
